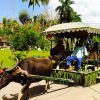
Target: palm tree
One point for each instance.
(75, 17)
(65, 11)
(24, 17)
(37, 2)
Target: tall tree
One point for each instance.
(24, 17)
(4, 21)
(75, 17)
(37, 2)
(65, 11)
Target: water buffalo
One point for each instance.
(35, 66)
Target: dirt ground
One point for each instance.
(57, 92)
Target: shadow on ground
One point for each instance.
(34, 91)
(39, 90)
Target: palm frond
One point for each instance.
(24, 0)
(45, 2)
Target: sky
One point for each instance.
(88, 9)
(7, 5)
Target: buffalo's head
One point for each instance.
(5, 78)
(16, 75)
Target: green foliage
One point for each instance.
(75, 17)
(7, 31)
(37, 2)
(24, 36)
(96, 39)
(1, 32)
(8, 59)
(66, 13)
(41, 18)
(24, 0)
(8, 25)
(43, 43)
(4, 21)
(24, 40)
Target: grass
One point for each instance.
(7, 56)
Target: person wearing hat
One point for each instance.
(77, 55)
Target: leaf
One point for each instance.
(24, 0)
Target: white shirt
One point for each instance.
(79, 52)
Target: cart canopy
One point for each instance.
(73, 29)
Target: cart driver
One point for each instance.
(77, 55)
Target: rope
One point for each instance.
(60, 63)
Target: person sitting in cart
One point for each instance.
(77, 55)
(57, 52)
(94, 55)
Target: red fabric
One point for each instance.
(1, 71)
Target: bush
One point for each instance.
(24, 40)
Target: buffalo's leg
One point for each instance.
(47, 86)
(24, 94)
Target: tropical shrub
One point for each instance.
(24, 40)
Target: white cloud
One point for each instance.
(88, 9)
(53, 4)
(51, 8)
